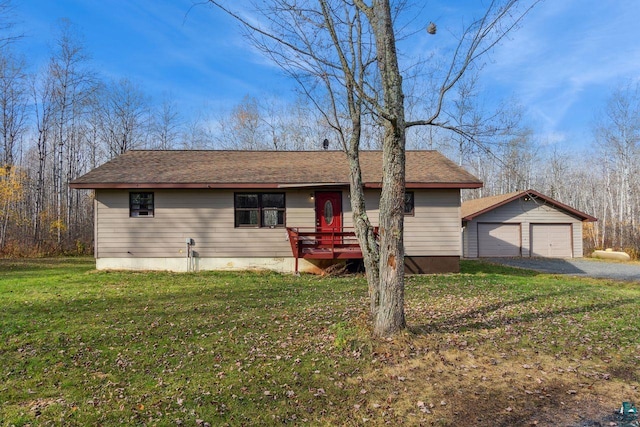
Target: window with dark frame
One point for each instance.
(259, 210)
(408, 203)
(141, 205)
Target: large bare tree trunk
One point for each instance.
(389, 317)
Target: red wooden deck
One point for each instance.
(311, 244)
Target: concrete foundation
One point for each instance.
(413, 264)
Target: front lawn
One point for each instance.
(491, 346)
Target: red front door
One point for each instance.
(329, 215)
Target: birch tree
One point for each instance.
(11, 191)
(267, 123)
(344, 55)
(8, 35)
(241, 129)
(43, 93)
(166, 125)
(617, 136)
(13, 88)
(13, 101)
(124, 112)
(72, 84)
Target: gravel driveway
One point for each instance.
(576, 267)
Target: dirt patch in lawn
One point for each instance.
(415, 382)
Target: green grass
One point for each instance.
(80, 347)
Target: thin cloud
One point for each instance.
(565, 51)
(559, 64)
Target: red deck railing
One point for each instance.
(311, 244)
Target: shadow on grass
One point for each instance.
(167, 295)
(482, 317)
(11, 264)
(476, 267)
(535, 265)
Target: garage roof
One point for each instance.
(473, 208)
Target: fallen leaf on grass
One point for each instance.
(423, 408)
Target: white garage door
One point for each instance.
(551, 240)
(498, 240)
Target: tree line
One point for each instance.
(64, 119)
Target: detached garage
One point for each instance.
(523, 223)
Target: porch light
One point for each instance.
(311, 196)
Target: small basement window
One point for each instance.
(259, 210)
(409, 204)
(141, 205)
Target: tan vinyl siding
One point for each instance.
(524, 213)
(207, 216)
(578, 250)
(434, 230)
(300, 209)
(203, 215)
(372, 202)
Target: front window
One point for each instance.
(328, 212)
(408, 204)
(259, 210)
(141, 205)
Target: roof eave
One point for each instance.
(577, 213)
(445, 185)
(492, 207)
(166, 185)
(261, 185)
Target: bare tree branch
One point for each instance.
(480, 32)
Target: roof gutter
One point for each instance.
(244, 185)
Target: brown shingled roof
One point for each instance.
(473, 208)
(265, 169)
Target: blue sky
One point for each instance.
(561, 65)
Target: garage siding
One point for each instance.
(524, 213)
